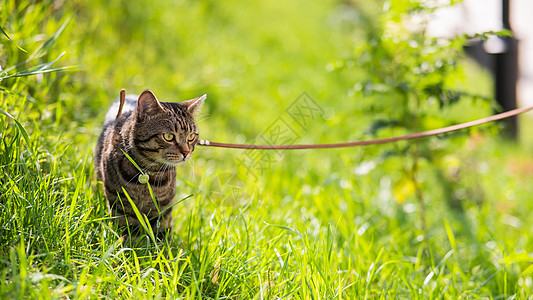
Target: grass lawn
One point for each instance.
(442, 217)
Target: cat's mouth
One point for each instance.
(175, 159)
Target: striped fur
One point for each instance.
(140, 132)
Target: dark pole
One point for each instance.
(506, 74)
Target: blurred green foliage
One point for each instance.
(342, 223)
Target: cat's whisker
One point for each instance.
(202, 117)
(191, 163)
(201, 120)
(164, 167)
(205, 116)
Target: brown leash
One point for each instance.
(411, 136)
(493, 118)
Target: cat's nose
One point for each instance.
(185, 153)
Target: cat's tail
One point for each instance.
(130, 103)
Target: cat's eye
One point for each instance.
(168, 136)
(191, 137)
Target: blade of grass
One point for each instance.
(48, 44)
(20, 128)
(31, 73)
(143, 220)
(7, 36)
(132, 161)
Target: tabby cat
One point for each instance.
(158, 136)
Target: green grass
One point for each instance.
(316, 224)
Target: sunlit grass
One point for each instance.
(312, 225)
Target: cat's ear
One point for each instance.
(147, 104)
(194, 105)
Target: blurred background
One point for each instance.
(479, 16)
(508, 59)
(295, 72)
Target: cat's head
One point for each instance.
(165, 132)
